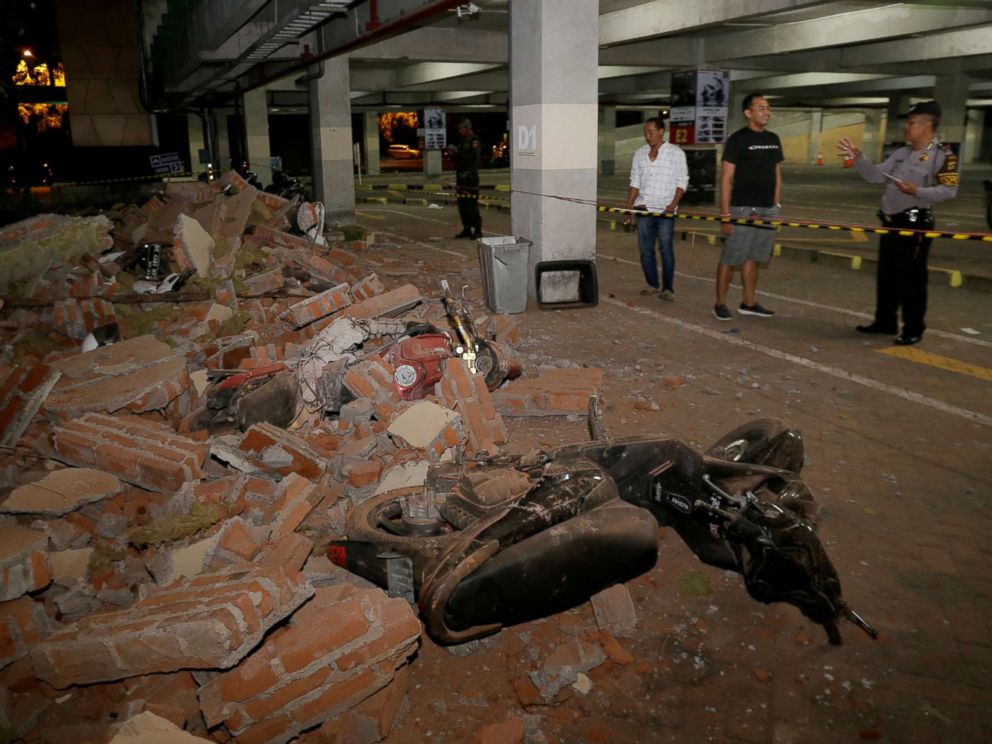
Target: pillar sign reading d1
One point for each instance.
(699, 106)
(527, 139)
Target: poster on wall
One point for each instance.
(435, 134)
(699, 106)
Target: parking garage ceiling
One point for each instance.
(411, 52)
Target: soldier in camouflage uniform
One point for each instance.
(917, 176)
(467, 181)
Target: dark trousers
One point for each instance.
(468, 201)
(902, 277)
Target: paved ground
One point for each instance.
(825, 193)
(898, 450)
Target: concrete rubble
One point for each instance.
(162, 572)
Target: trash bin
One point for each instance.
(503, 260)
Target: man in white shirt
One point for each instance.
(658, 179)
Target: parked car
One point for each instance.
(403, 152)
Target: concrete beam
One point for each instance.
(672, 52)
(439, 45)
(663, 17)
(844, 28)
(433, 72)
(961, 43)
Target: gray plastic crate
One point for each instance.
(503, 260)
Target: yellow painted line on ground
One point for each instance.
(953, 275)
(950, 364)
(855, 260)
(369, 215)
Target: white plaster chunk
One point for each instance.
(219, 312)
(68, 565)
(200, 380)
(61, 492)
(189, 561)
(420, 424)
(198, 242)
(148, 728)
(404, 475)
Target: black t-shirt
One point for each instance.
(754, 155)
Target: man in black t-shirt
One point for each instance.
(750, 187)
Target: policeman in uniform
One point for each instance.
(467, 181)
(916, 176)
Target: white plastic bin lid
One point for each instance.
(497, 240)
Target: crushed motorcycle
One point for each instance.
(496, 541)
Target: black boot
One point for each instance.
(466, 233)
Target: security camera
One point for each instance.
(467, 10)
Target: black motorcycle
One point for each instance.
(502, 540)
(286, 186)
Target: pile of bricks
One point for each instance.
(159, 559)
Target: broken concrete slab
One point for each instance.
(138, 374)
(208, 622)
(61, 492)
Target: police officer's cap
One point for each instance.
(924, 107)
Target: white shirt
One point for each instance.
(657, 180)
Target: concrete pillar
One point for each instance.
(553, 118)
(815, 129)
(951, 92)
(874, 139)
(607, 139)
(330, 128)
(223, 142)
(371, 134)
(735, 115)
(895, 128)
(432, 164)
(973, 134)
(256, 110)
(194, 129)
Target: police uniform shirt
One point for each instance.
(933, 170)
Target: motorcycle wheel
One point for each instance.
(767, 442)
(759, 442)
(380, 520)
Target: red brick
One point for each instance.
(365, 473)
(235, 538)
(340, 624)
(286, 694)
(265, 732)
(398, 627)
(357, 686)
(163, 633)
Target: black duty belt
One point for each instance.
(912, 215)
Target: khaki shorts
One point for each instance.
(750, 242)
